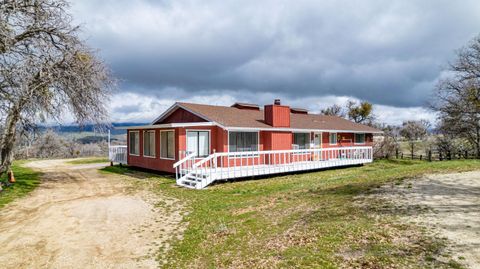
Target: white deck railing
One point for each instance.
(117, 154)
(199, 172)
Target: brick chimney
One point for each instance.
(277, 115)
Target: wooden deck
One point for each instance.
(194, 173)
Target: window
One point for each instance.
(167, 144)
(243, 141)
(359, 138)
(149, 143)
(198, 142)
(301, 140)
(333, 138)
(133, 143)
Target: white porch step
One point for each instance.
(192, 181)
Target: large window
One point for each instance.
(301, 140)
(133, 143)
(167, 144)
(243, 141)
(333, 138)
(198, 142)
(149, 143)
(359, 138)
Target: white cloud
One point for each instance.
(144, 108)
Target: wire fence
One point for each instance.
(434, 155)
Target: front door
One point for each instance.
(198, 142)
(317, 140)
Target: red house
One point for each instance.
(205, 143)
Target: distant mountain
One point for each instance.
(73, 128)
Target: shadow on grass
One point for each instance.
(136, 172)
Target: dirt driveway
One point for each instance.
(80, 218)
(449, 205)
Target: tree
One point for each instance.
(334, 110)
(387, 144)
(457, 98)
(45, 70)
(414, 132)
(50, 145)
(360, 113)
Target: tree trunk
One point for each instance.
(477, 144)
(8, 139)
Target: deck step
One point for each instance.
(186, 185)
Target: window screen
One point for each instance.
(149, 143)
(301, 140)
(243, 141)
(134, 142)
(359, 138)
(333, 138)
(167, 144)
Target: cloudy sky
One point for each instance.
(310, 54)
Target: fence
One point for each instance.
(432, 155)
(117, 154)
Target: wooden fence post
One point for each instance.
(440, 157)
(396, 153)
(429, 155)
(402, 155)
(421, 157)
(466, 154)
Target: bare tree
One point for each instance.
(360, 113)
(50, 145)
(45, 70)
(414, 132)
(386, 144)
(457, 98)
(334, 110)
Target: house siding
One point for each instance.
(275, 115)
(180, 116)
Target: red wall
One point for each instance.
(276, 140)
(345, 140)
(277, 115)
(217, 143)
(269, 140)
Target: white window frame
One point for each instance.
(209, 139)
(309, 139)
(174, 149)
(130, 146)
(154, 143)
(330, 140)
(364, 138)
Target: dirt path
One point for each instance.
(80, 218)
(449, 204)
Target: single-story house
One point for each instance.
(203, 143)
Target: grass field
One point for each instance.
(309, 220)
(89, 160)
(27, 180)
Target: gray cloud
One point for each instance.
(388, 52)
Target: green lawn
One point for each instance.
(89, 160)
(27, 181)
(309, 220)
